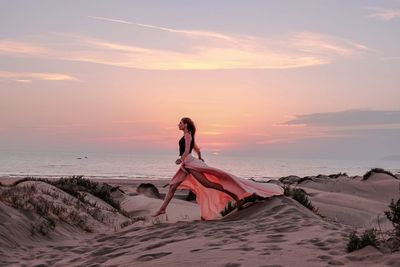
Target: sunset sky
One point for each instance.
(306, 78)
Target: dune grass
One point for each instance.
(368, 174)
(367, 238)
(375, 237)
(300, 196)
(230, 206)
(72, 185)
(72, 208)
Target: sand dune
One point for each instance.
(274, 232)
(354, 201)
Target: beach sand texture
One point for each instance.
(274, 232)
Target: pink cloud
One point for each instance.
(205, 50)
(385, 14)
(27, 77)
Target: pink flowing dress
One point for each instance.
(212, 201)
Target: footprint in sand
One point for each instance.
(314, 240)
(334, 262)
(286, 229)
(157, 245)
(275, 236)
(273, 247)
(215, 244)
(279, 216)
(246, 248)
(332, 240)
(325, 257)
(103, 251)
(102, 239)
(272, 240)
(150, 257)
(321, 245)
(232, 264)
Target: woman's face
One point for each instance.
(181, 125)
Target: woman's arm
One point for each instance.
(197, 149)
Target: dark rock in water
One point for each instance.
(191, 196)
(292, 179)
(148, 190)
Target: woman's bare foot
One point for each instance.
(159, 213)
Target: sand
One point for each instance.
(274, 232)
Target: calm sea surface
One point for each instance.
(54, 164)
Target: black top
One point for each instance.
(182, 145)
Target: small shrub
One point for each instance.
(228, 208)
(44, 227)
(72, 185)
(79, 220)
(96, 213)
(299, 195)
(368, 238)
(393, 215)
(367, 175)
(42, 202)
(337, 175)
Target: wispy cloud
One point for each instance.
(27, 77)
(204, 50)
(192, 33)
(21, 48)
(385, 14)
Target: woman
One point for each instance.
(213, 188)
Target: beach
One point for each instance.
(277, 231)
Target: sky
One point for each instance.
(306, 78)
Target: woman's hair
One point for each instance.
(190, 125)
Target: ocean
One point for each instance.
(161, 166)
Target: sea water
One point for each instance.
(162, 166)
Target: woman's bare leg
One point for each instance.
(167, 199)
(206, 183)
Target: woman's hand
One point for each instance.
(178, 161)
